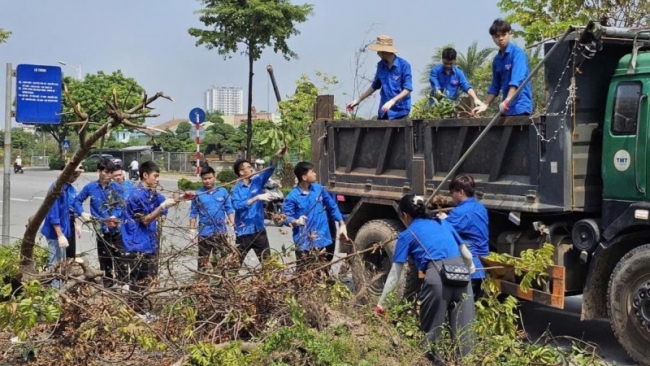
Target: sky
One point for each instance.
(149, 41)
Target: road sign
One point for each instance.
(197, 115)
(65, 144)
(38, 94)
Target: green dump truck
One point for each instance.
(576, 176)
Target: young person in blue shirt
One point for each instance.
(395, 80)
(212, 208)
(106, 199)
(470, 220)
(509, 70)
(428, 241)
(307, 207)
(57, 226)
(139, 231)
(447, 79)
(248, 199)
(120, 179)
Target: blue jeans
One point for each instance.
(56, 255)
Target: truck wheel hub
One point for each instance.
(641, 306)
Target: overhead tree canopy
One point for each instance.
(4, 35)
(549, 18)
(252, 25)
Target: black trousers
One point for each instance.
(258, 242)
(440, 302)
(109, 246)
(215, 247)
(139, 270)
(71, 250)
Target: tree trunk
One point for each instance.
(27, 244)
(249, 122)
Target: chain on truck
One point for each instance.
(576, 176)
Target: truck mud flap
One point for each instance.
(554, 289)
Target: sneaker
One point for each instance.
(147, 317)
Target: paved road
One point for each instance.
(29, 189)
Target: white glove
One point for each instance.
(232, 237)
(86, 217)
(263, 197)
(387, 106)
(169, 202)
(503, 107)
(352, 105)
(478, 103)
(194, 236)
(479, 109)
(302, 220)
(343, 232)
(467, 258)
(441, 215)
(63, 242)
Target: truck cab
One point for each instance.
(574, 175)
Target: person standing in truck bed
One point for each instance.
(470, 220)
(509, 70)
(395, 80)
(447, 79)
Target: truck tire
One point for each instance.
(370, 264)
(628, 303)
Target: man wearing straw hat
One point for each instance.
(394, 79)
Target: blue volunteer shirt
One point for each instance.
(138, 237)
(104, 202)
(470, 220)
(59, 213)
(211, 207)
(439, 239)
(127, 188)
(448, 84)
(316, 204)
(249, 219)
(511, 69)
(391, 82)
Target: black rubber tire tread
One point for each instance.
(378, 231)
(631, 266)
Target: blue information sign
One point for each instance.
(197, 115)
(65, 144)
(38, 94)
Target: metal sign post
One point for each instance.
(197, 116)
(6, 180)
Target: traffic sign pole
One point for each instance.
(198, 116)
(198, 143)
(6, 181)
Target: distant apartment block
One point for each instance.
(226, 99)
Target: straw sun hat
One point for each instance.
(383, 44)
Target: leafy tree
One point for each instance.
(4, 35)
(218, 138)
(293, 130)
(252, 25)
(549, 18)
(470, 62)
(21, 139)
(170, 142)
(91, 93)
(183, 130)
(214, 117)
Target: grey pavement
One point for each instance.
(28, 191)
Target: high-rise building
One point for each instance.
(226, 99)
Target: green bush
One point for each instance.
(56, 163)
(226, 176)
(188, 185)
(90, 166)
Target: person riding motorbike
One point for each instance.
(18, 165)
(133, 169)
